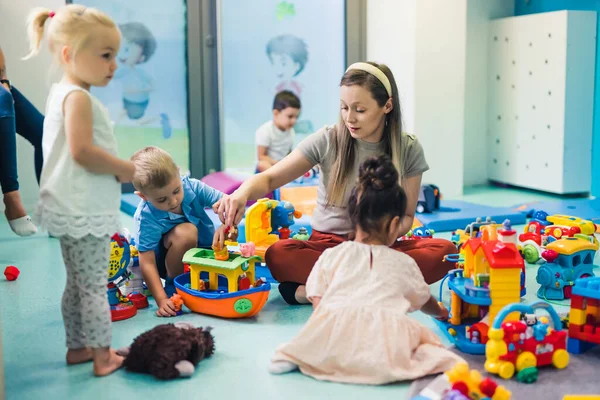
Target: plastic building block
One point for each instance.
(588, 287)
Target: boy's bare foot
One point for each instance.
(78, 356)
(106, 361)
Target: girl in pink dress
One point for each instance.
(361, 293)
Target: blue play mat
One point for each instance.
(456, 214)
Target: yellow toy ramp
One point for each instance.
(258, 220)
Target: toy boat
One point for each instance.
(241, 304)
(224, 288)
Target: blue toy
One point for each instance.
(283, 216)
(422, 232)
(566, 261)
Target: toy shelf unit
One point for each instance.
(540, 100)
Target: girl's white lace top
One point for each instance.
(74, 201)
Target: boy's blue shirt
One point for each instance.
(152, 224)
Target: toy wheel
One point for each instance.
(526, 360)
(506, 370)
(530, 254)
(560, 358)
(420, 208)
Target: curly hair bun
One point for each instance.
(377, 173)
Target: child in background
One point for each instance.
(80, 194)
(169, 221)
(361, 292)
(275, 139)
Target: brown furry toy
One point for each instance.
(169, 351)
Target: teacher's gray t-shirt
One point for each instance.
(336, 220)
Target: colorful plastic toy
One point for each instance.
(543, 229)
(567, 260)
(11, 273)
(302, 193)
(420, 232)
(524, 345)
(473, 230)
(177, 302)
(228, 292)
(247, 249)
(267, 221)
(302, 234)
(492, 276)
(461, 383)
(121, 259)
(221, 254)
(584, 317)
(429, 199)
(586, 227)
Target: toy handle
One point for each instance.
(527, 309)
(452, 258)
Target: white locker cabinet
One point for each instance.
(541, 100)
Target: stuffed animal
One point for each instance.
(169, 351)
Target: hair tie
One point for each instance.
(51, 14)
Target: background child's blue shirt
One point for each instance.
(152, 224)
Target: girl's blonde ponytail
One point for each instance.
(35, 28)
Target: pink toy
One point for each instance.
(11, 273)
(222, 181)
(247, 249)
(226, 183)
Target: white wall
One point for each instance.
(440, 90)
(391, 26)
(30, 77)
(423, 43)
(479, 14)
(437, 51)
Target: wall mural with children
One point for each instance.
(299, 48)
(147, 98)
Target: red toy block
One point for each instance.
(488, 387)
(11, 273)
(576, 302)
(461, 387)
(592, 302)
(574, 330)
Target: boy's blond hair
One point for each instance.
(154, 168)
(69, 26)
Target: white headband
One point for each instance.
(376, 72)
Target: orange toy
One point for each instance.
(228, 293)
(221, 254)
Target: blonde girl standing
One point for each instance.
(79, 189)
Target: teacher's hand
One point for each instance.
(231, 209)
